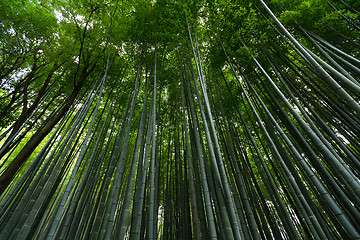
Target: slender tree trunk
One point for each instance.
(30, 146)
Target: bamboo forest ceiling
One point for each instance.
(169, 119)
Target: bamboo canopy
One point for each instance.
(180, 120)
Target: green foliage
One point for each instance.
(8, 119)
(244, 127)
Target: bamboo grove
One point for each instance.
(180, 120)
